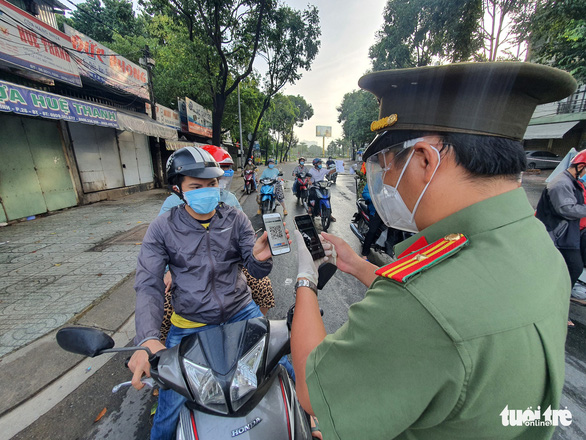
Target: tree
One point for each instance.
(102, 22)
(356, 112)
(417, 32)
(292, 43)
(558, 36)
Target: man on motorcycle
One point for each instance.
(192, 241)
(317, 173)
(301, 168)
(250, 166)
(330, 161)
(467, 328)
(271, 172)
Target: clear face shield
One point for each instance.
(389, 166)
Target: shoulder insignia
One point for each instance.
(406, 267)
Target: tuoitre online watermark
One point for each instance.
(531, 417)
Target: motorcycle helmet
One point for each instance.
(193, 162)
(301, 159)
(580, 158)
(316, 161)
(219, 154)
(270, 160)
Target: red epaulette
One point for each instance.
(406, 267)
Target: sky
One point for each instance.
(348, 30)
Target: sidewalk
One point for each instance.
(74, 266)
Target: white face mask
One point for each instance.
(388, 201)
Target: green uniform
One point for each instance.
(441, 355)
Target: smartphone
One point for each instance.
(305, 225)
(277, 236)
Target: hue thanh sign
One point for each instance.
(107, 67)
(30, 44)
(31, 102)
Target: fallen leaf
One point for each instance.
(102, 413)
(57, 264)
(99, 275)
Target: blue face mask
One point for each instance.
(203, 200)
(301, 163)
(319, 166)
(582, 179)
(271, 166)
(228, 173)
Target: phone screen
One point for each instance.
(277, 236)
(305, 225)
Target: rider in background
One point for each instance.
(301, 168)
(318, 173)
(330, 161)
(273, 172)
(250, 166)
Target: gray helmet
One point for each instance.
(194, 162)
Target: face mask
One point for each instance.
(203, 200)
(390, 205)
(301, 163)
(271, 166)
(582, 179)
(319, 166)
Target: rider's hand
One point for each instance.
(306, 266)
(261, 250)
(168, 281)
(139, 362)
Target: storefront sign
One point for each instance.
(199, 120)
(182, 114)
(30, 44)
(165, 115)
(107, 67)
(31, 102)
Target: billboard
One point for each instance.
(165, 115)
(323, 131)
(32, 45)
(107, 67)
(199, 120)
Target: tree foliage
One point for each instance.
(417, 32)
(356, 112)
(558, 36)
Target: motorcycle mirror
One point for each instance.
(280, 174)
(83, 340)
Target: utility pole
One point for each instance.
(148, 62)
(242, 161)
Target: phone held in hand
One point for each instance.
(305, 226)
(276, 231)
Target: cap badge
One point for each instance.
(383, 123)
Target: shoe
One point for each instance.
(284, 212)
(581, 302)
(259, 212)
(332, 218)
(571, 324)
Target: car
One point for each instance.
(541, 159)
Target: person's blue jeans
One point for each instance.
(170, 402)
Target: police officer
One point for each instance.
(468, 326)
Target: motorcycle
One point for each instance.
(249, 181)
(334, 176)
(303, 183)
(320, 206)
(385, 238)
(230, 376)
(268, 198)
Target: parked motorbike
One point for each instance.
(334, 176)
(385, 239)
(320, 206)
(249, 181)
(303, 183)
(230, 376)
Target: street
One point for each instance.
(127, 413)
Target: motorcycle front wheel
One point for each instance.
(266, 206)
(326, 214)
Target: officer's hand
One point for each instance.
(139, 362)
(346, 258)
(307, 267)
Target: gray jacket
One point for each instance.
(208, 284)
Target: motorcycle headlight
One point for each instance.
(205, 387)
(244, 381)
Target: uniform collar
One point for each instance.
(487, 215)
